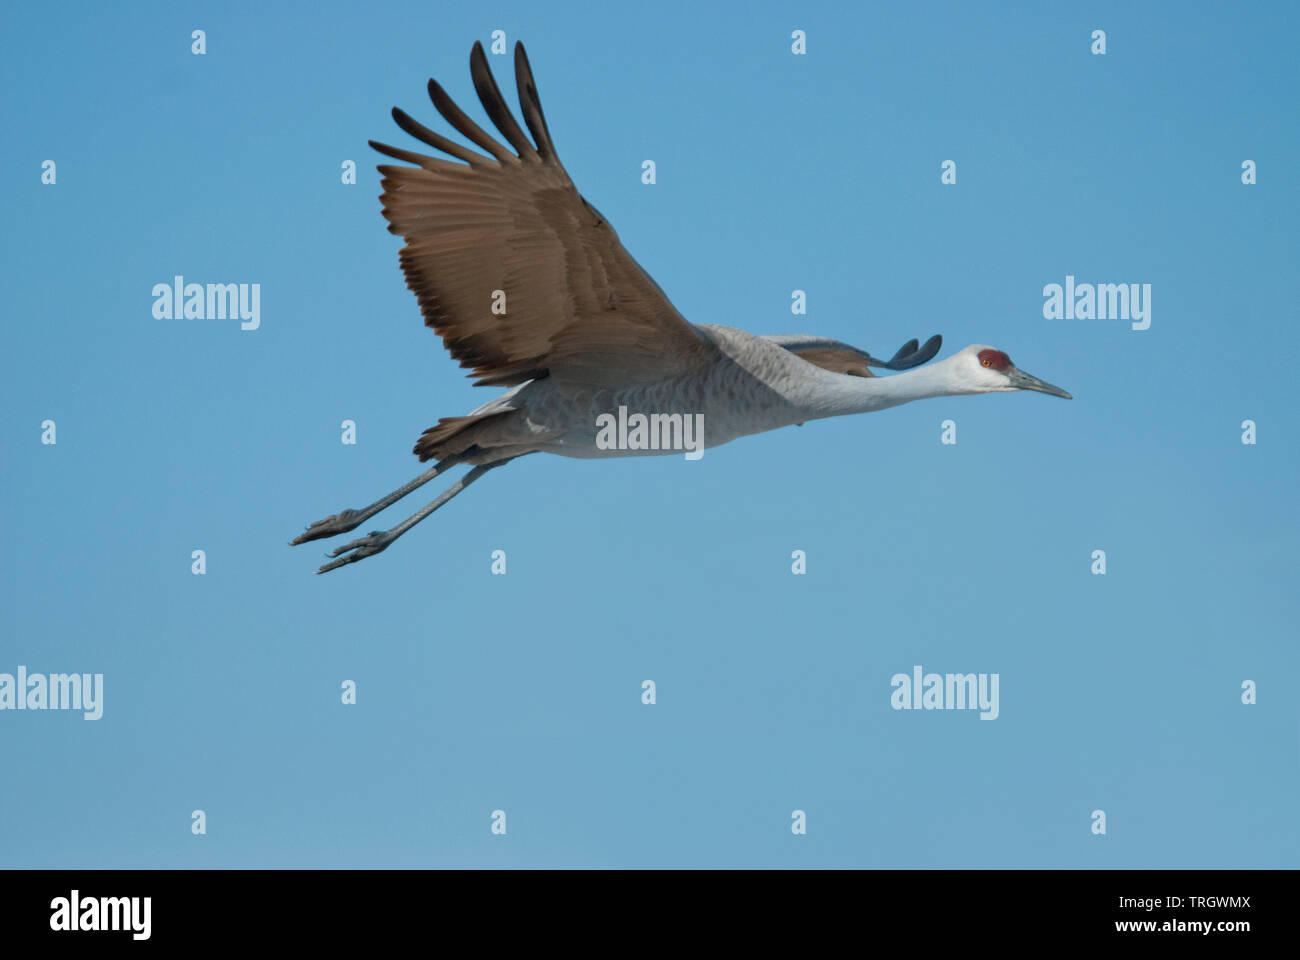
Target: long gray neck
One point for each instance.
(864, 394)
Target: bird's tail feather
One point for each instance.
(453, 437)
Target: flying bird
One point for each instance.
(528, 286)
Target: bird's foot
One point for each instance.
(341, 522)
(376, 541)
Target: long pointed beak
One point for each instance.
(1023, 381)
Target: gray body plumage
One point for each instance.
(753, 386)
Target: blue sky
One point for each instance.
(521, 692)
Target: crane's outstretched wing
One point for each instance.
(520, 276)
(838, 357)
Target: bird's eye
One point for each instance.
(987, 364)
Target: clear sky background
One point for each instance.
(521, 692)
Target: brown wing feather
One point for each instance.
(833, 355)
(577, 305)
(836, 360)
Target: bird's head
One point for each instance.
(985, 369)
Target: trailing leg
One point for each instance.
(378, 540)
(346, 520)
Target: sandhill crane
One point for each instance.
(586, 332)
